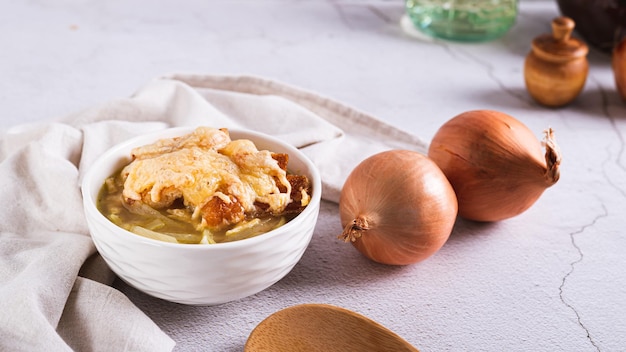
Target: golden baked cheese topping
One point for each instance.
(216, 178)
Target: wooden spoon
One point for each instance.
(323, 327)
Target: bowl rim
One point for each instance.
(89, 178)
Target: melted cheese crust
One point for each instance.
(202, 166)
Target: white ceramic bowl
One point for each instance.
(203, 274)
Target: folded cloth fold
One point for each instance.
(46, 298)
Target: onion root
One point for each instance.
(553, 157)
(354, 229)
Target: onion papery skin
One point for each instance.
(495, 164)
(407, 204)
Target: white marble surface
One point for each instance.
(551, 279)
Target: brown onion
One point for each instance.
(494, 163)
(618, 63)
(397, 207)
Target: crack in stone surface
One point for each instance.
(490, 71)
(613, 123)
(572, 236)
(380, 14)
(620, 138)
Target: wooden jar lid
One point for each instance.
(560, 46)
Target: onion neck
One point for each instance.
(354, 229)
(553, 157)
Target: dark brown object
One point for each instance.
(601, 23)
(555, 70)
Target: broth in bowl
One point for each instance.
(203, 188)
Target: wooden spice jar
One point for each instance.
(555, 70)
(619, 67)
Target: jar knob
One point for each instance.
(562, 28)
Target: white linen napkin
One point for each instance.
(54, 287)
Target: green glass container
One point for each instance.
(463, 20)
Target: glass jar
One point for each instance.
(463, 20)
